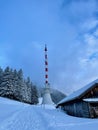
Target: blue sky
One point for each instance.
(68, 27)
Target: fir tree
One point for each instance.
(29, 90)
(1, 76)
(13, 85)
(34, 94)
(6, 85)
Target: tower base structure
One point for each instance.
(47, 97)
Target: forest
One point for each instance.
(13, 85)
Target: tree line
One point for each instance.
(13, 85)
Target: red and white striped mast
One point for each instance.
(46, 67)
(46, 93)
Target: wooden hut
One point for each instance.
(83, 102)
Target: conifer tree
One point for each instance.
(1, 76)
(29, 90)
(34, 94)
(13, 85)
(6, 85)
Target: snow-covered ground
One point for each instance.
(19, 116)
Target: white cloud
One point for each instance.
(96, 33)
(81, 65)
(90, 24)
(88, 58)
(73, 49)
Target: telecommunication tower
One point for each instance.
(46, 93)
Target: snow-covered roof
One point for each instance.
(78, 93)
(93, 100)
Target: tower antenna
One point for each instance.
(46, 66)
(46, 92)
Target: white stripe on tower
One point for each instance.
(46, 66)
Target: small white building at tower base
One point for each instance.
(47, 96)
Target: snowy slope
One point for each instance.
(19, 116)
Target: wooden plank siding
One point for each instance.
(79, 109)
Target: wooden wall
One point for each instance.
(77, 108)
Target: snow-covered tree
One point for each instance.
(24, 91)
(16, 89)
(20, 85)
(34, 94)
(6, 84)
(1, 76)
(29, 90)
(13, 85)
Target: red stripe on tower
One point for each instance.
(46, 65)
(46, 69)
(46, 76)
(45, 47)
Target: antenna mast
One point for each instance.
(46, 91)
(46, 67)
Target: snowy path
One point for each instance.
(24, 120)
(36, 118)
(28, 117)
